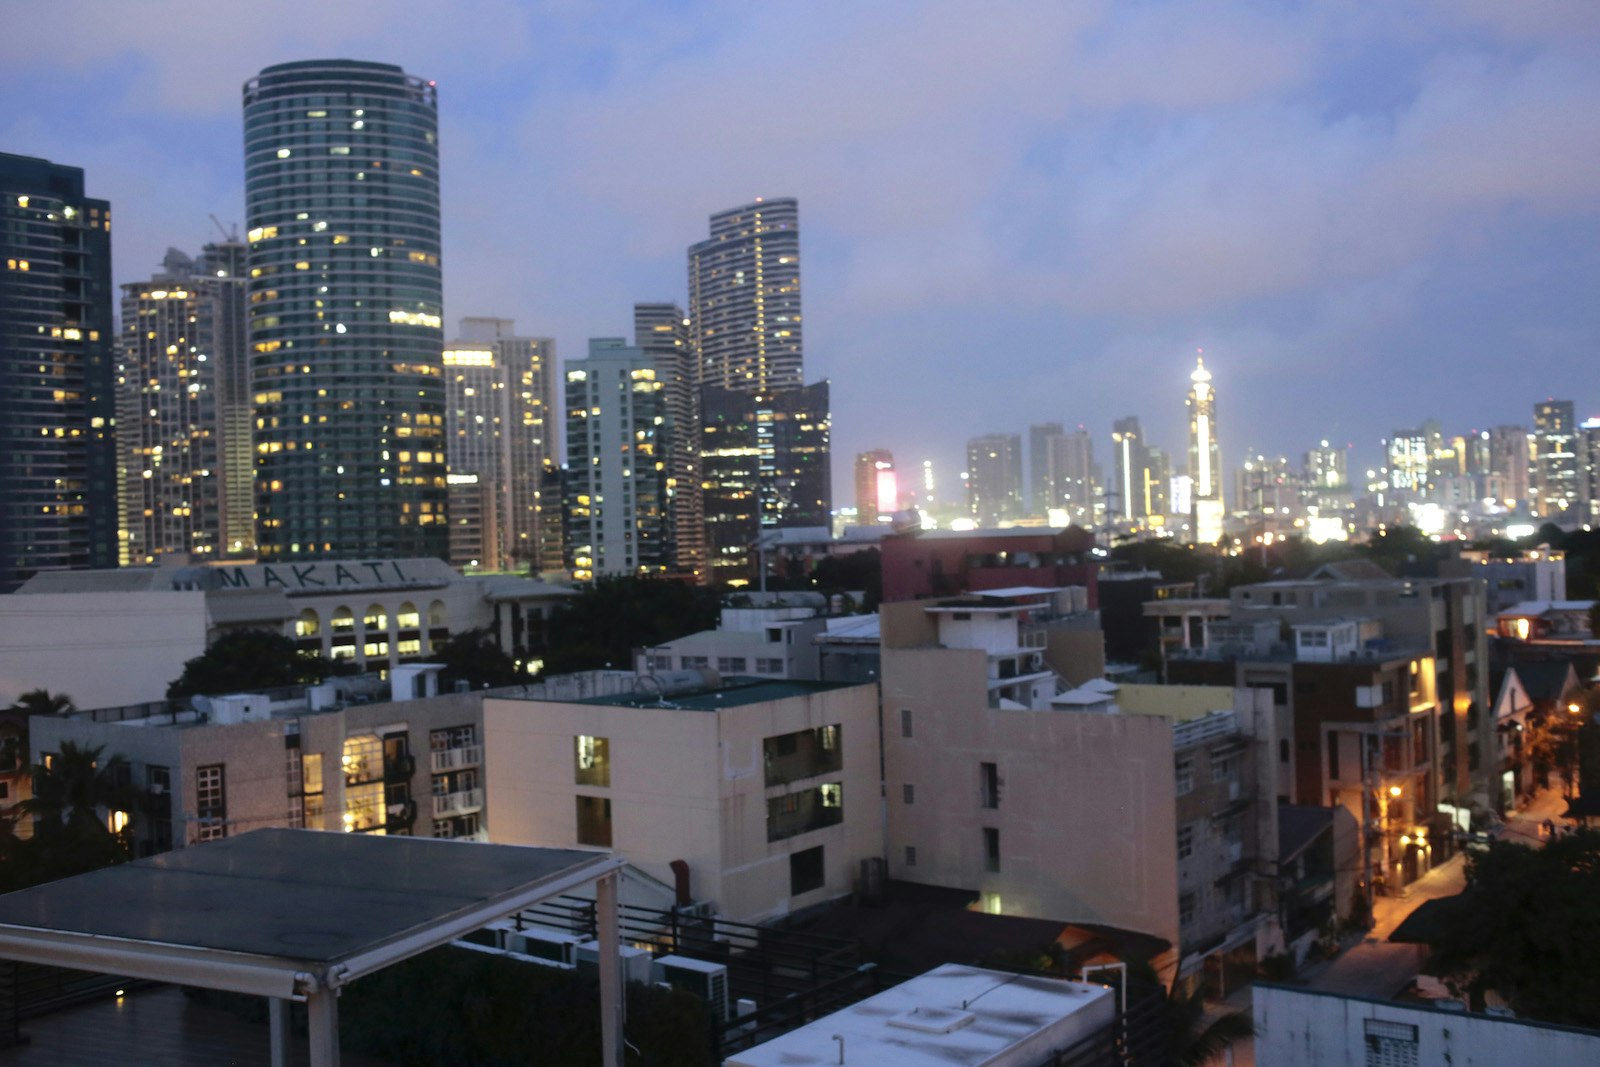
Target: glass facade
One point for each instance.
(345, 311)
(58, 493)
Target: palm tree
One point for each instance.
(1178, 1023)
(73, 796)
(43, 702)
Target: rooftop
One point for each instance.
(950, 1016)
(734, 692)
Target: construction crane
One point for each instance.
(227, 235)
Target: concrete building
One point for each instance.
(767, 635)
(306, 759)
(58, 487)
(1554, 465)
(346, 311)
(661, 332)
(1039, 481)
(1316, 1029)
(768, 791)
(877, 492)
(1131, 489)
(924, 563)
(956, 1015)
(184, 438)
(1072, 481)
(501, 430)
(1003, 781)
(139, 625)
(1538, 574)
(994, 478)
(618, 503)
(744, 299)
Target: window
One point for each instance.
(991, 849)
(810, 809)
(1283, 750)
(1184, 778)
(911, 855)
(691, 663)
(1223, 769)
(1333, 756)
(908, 793)
(1186, 909)
(362, 758)
(989, 785)
(307, 625)
(594, 821)
(158, 779)
(806, 871)
(1185, 841)
(905, 722)
(592, 760)
(211, 802)
(1390, 1044)
(769, 666)
(731, 664)
(802, 754)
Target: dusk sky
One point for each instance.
(1366, 214)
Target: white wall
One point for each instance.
(101, 649)
(1307, 1029)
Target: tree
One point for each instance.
(73, 795)
(472, 657)
(43, 702)
(244, 660)
(615, 615)
(1526, 927)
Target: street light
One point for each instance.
(1395, 790)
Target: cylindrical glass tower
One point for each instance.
(346, 311)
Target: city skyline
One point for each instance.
(1379, 212)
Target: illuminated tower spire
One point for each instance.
(1205, 463)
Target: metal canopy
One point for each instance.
(283, 913)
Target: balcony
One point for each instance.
(455, 759)
(448, 805)
(480, 835)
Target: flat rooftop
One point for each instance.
(736, 691)
(952, 1016)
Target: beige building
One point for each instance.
(1001, 780)
(767, 790)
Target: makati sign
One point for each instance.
(309, 577)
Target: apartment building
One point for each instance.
(767, 791)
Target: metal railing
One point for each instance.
(464, 802)
(455, 759)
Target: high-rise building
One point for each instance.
(1555, 458)
(1130, 493)
(877, 491)
(1506, 477)
(994, 478)
(1041, 494)
(1158, 483)
(1205, 459)
(1588, 448)
(661, 332)
(1071, 479)
(765, 466)
(744, 298)
(619, 513)
(346, 311)
(500, 390)
(58, 462)
(184, 419)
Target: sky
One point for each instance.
(1367, 215)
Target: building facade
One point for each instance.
(185, 435)
(346, 311)
(618, 502)
(1555, 438)
(661, 332)
(1205, 459)
(877, 492)
(58, 463)
(500, 391)
(994, 478)
(744, 298)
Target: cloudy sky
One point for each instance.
(1366, 214)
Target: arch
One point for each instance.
(406, 618)
(308, 624)
(376, 618)
(436, 613)
(343, 619)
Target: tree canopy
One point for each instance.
(240, 661)
(71, 798)
(615, 615)
(472, 657)
(1527, 927)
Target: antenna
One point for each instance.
(227, 235)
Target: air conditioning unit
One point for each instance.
(635, 961)
(708, 981)
(491, 936)
(544, 945)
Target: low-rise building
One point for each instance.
(766, 790)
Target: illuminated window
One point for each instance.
(592, 760)
(308, 624)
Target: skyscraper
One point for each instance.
(1041, 494)
(661, 332)
(500, 392)
(618, 511)
(58, 463)
(1555, 458)
(1132, 467)
(346, 306)
(1073, 484)
(1205, 460)
(877, 493)
(994, 478)
(744, 298)
(184, 427)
